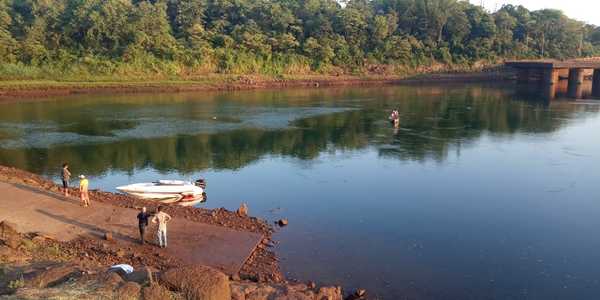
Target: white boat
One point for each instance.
(166, 191)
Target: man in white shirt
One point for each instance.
(162, 219)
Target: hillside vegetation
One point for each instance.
(186, 39)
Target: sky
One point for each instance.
(583, 10)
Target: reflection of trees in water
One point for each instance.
(432, 122)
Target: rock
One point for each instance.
(295, 296)
(237, 293)
(264, 292)
(108, 236)
(140, 276)
(360, 292)
(51, 276)
(239, 290)
(298, 287)
(329, 293)
(111, 279)
(243, 210)
(128, 290)
(155, 292)
(282, 222)
(311, 285)
(9, 235)
(198, 282)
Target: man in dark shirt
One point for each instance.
(66, 176)
(143, 223)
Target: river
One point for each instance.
(481, 193)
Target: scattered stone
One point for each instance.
(129, 290)
(120, 253)
(359, 294)
(198, 282)
(282, 222)
(9, 235)
(243, 210)
(108, 236)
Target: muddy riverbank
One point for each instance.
(16, 90)
(262, 265)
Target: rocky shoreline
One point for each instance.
(82, 263)
(37, 267)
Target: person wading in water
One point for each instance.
(83, 190)
(162, 219)
(143, 223)
(66, 176)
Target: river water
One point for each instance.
(479, 194)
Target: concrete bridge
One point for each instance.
(546, 74)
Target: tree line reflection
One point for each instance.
(433, 121)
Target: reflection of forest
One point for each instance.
(432, 121)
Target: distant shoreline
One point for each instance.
(17, 90)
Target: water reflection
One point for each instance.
(188, 133)
(480, 193)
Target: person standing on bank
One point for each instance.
(83, 190)
(66, 176)
(143, 223)
(162, 219)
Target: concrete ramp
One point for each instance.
(34, 210)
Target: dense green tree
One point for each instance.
(275, 36)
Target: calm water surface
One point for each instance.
(480, 194)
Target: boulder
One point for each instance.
(128, 290)
(329, 293)
(108, 236)
(294, 296)
(111, 279)
(282, 222)
(198, 282)
(243, 210)
(239, 290)
(9, 235)
(262, 292)
(141, 276)
(51, 276)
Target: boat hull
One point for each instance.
(165, 191)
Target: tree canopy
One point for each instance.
(278, 36)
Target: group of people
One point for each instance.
(395, 117)
(84, 184)
(160, 217)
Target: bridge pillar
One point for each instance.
(550, 76)
(575, 89)
(523, 75)
(596, 84)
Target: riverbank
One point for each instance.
(221, 82)
(38, 265)
(35, 266)
(260, 266)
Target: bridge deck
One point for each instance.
(590, 63)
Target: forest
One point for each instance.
(184, 38)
